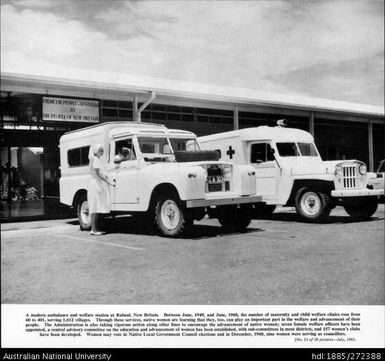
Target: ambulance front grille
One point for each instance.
(215, 187)
(215, 180)
(350, 176)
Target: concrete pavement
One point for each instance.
(279, 260)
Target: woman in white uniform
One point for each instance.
(98, 190)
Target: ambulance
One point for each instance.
(161, 177)
(290, 172)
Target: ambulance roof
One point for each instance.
(122, 128)
(277, 134)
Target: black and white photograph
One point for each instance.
(188, 155)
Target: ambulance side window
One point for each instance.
(78, 156)
(125, 149)
(260, 153)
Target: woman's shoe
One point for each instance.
(95, 233)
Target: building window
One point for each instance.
(187, 117)
(123, 113)
(113, 110)
(216, 116)
(158, 116)
(203, 118)
(107, 112)
(253, 119)
(110, 103)
(163, 113)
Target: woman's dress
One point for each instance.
(98, 190)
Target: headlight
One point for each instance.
(362, 169)
(338, 170)
(227, 172)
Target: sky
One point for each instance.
(324, 49)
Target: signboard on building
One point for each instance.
(70, 109)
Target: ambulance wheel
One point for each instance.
(84, 216)
(235, 219)
(170, 216)
(362, 210)
(312, 205)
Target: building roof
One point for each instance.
(109, 83)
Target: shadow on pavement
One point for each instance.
(293, 217)
(130, 225)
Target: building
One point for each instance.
(36, 111)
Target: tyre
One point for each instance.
(362, 210)
(234, 219)
(312, 205)
(84, 216)
(170, 216)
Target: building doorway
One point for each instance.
(22, 187)
(30, 183)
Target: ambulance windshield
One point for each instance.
(288, 150)
(180, 144)
(297, 150)
(156, 146)
(308, 149)
(160, 149)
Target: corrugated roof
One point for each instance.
(119, 83)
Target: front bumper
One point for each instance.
(222, 201)
(364, 192)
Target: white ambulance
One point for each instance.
(290, 172)
(160, 174)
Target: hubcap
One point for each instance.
(310, 203)
(84, 213)
(170, 214)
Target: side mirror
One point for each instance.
(272, 151)
(117, 159)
